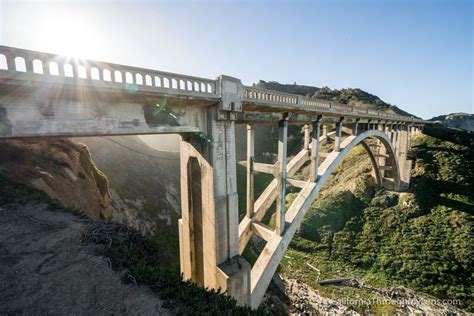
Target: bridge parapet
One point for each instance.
(269, 96)
(292, 102)
(27, 65)
(32, 68)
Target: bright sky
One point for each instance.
(415, 54)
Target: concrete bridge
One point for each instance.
(45, 95)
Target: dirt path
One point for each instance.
(44, 269)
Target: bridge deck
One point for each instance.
(97, 94)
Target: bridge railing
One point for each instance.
(269, 96)
(30, 65)
(263, 96)
(22, 64)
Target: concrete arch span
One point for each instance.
(381, 163)
(382, 156)
(269, 259)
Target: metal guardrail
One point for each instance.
(28, 64)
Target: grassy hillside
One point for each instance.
(422, 239)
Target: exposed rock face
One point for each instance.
(60, 168)
(144, 183)
(307, 301)
(457, 120)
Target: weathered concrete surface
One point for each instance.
(32, 114)
(44, 269)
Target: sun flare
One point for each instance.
(73, 36)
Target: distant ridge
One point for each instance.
(457, 120)
(348, 96)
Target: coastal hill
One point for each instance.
(349, 96)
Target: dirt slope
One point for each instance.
(45, 269)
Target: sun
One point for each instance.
(73, 36)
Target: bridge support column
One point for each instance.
(315, 151)
(409, 134)
(281, 177)
(393, 130)
(355, 127)
(387, 129)
(398, 144)
(381, 153)
(209, 240)
(395, 137)
(250, 161)
(405, 164)
(306, 136)
(337, 140)
(369, 124)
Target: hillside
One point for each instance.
(421, 239)
(55, 261)
(456, 120)
(349, 96)
(47, 270)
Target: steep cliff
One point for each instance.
(144, 187)
(144, 183)
(62, 169)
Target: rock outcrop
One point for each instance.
(144, 183)
(457, 120)
(62, 169)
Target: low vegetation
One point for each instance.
(11, 192)
(422, 239)
(145, 260)
(149, 265)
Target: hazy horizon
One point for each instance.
(416, 55)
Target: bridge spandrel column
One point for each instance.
(281, 177)
(209, 241)
(306, 136)
(355, 127)
(250, 178)
(405, 164)
(337, 141)
(325, 130)
(314, 156)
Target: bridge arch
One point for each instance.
(269, 259)
(336, 157)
